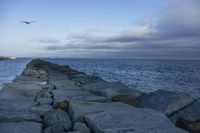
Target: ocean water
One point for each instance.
(144, 75)
(9, 69)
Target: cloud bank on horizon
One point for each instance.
(174, 34)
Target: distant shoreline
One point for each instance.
(7, 58)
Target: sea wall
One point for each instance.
(49, 98)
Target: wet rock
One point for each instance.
(69, 95)
(78, 126)
(57, 119)
(20, 127)
(165, 101)
(115, 91)
(78, 110)
(41, 110)
(130, 120)
(36, 73)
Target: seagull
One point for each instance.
(28, 22)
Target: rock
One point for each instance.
(57, 119)
(64, 105)
(65, 85)
(41, 110)
(115, 91)
(35, 73)
(49, 130)
(13, 91)
(130, 120)
(44, 94)
(78, 110)
(82, 78)
(41, 101)
(72, 132)
(165, 101)
(190, 113)
(30, 80)
(78, 126)
(69, 95)
(191, 126)
(17, 111)
(20, 127)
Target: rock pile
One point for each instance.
(49, 98)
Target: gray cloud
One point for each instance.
(176, 35)
(48, 40)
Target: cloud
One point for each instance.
(48, 40)
(175, 35)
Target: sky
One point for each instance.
(150, 29)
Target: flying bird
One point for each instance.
(28, 22)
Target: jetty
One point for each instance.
(50, 98)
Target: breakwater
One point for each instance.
(49, 98)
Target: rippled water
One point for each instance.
(145, 75)
(9, 69)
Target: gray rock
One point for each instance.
(35, 73)
(130, 120)
(78, 110)
(69, 95)
(20, 127)
(72, 132)
(65, 85)
(49, 130)
(57, 119)
(78, 126)
(13, 91)
(41, 110)
(115, 91)
(191, 113)
(44, 94)
(165, 101)
(16, 111)
(41, 101)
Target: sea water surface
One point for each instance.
(144, 75)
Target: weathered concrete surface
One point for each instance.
(165, 101)
(69, 95)
(115, 91)
(20, 127)
(130, 120)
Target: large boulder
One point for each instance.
(20, 91)
(58, 119)
(79, 126)
(65, 85)
(69, 95)
(16, 111)
(41, 110)
(188, 118)
(130, 120)
(78, 110)
(165, 101)
(20, 127)
(115, 91)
